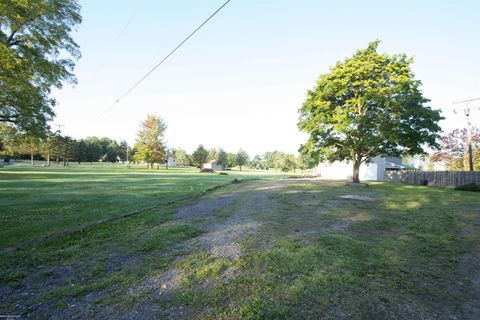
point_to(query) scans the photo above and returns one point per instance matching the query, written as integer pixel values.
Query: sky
(240, 81)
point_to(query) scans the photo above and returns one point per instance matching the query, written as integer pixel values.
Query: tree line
(58, 148)
(149, 148)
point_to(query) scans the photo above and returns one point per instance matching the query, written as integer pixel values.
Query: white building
(375, 170)
(171, 161)
(214, 165)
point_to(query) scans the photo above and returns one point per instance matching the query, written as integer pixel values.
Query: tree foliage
(37, 54)
(54, 146)
(258, 163)
(453, 150)
(149, 145)
(200, 156)
(368, 105)
(182, 158)
(222, 157)
(230, 163)
(241, 158)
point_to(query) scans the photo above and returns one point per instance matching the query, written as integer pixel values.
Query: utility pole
(466, 111)
(59, 130)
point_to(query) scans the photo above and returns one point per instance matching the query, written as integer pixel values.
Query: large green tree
(150, 146)
(230, 162)
(241, 158)
(368, 105)
(200, 156)
(37, 53)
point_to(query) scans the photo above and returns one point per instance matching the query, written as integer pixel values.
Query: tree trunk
(31, 158)
(48, 158)
(356, 171)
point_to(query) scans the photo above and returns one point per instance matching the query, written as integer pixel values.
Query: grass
(38, 201)
(411, 252)
(398, 259)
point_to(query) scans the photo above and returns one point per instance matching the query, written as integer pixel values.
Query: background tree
(111, 152)
(67, 149)
(305, 161)
(200, 156)
(222, 157)
(94, 150)
(453, 149)
(285, 162)
(368, 105)
(122, 151)
(37, 54)
(149, 145)
(181, 157)
(30, 143)
(271, 159)
(230, 160)
(212, 154)
(10, 139)
(241, 158)
(257, 163)
(80, 151)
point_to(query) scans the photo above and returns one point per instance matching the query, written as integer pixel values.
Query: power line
(159, 63)
(466, 101)
(129, 20)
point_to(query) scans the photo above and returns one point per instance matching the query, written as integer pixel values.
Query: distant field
(37, 201)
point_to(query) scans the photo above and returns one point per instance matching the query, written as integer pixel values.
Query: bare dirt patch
(204, 208)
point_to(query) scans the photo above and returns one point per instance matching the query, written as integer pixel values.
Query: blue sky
(240, 81)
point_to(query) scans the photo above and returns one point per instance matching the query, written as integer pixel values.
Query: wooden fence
(449, 179)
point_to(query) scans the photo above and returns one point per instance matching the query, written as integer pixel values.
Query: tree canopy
(37, 53)
(149, 145)
(453, 150)
(241, 158)
(200, 156)
(368, 105)
(182, 158)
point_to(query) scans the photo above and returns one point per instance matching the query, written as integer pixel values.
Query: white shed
(171, 161)
(375, 170)
(214, 165)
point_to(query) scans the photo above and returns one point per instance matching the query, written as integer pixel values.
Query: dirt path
(228, 221)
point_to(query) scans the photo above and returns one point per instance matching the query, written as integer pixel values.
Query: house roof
(212, 161)
(391, 165)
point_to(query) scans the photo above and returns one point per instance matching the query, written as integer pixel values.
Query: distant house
(214, 165)
(171, 161)
(375, 170)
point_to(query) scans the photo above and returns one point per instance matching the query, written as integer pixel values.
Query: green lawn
(260, 249)
(38, 201)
